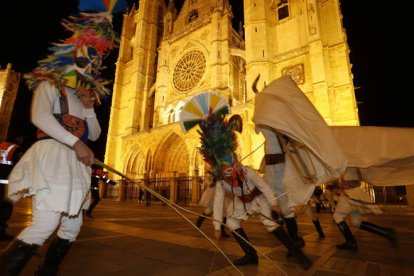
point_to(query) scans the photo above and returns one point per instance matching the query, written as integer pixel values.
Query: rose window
(189, 71)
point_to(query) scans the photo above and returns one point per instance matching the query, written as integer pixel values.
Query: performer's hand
(86, 96)
(83, 153)
(217, 234)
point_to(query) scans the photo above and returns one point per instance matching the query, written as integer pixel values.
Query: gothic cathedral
(166, 56)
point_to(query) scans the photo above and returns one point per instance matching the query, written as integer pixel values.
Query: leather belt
(273, 159)
(244, 198)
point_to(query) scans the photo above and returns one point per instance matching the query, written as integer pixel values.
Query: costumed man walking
(10, 153)
(300, 148)
(55, 171)
(246, 191)
(355, 202)
(274, 172)
(98, 176)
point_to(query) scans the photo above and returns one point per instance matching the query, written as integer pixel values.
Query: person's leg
(385, 232)
(95, 201)
(318, 228)
(343, 209)
(292, 228)
(20, 251)
(206, 213)
(67, 233)
(223, 229)
(315, 220)
(240, 235)
(292, 247)
(278, 231)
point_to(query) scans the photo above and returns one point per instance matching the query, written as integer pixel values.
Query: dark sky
(378, 54)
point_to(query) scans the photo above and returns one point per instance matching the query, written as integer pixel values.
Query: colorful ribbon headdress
(218, 140)
(92, 27)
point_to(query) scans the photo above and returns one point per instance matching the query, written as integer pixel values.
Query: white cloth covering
(355, 203)
(50, 170)
(283, 107)
(383, 155)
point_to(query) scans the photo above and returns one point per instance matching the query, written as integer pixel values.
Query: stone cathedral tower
(166, 56)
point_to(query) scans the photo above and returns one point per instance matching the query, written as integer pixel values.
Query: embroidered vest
(73, 124)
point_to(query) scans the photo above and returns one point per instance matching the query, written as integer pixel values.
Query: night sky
(379, 54)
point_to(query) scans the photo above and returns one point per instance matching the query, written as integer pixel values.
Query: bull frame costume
(317, 153)
(246, 191)
(56, 171)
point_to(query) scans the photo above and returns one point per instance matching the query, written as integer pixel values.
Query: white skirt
(50, 171)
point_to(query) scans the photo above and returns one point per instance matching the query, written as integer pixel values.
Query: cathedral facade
(9, 84)
(166, 56)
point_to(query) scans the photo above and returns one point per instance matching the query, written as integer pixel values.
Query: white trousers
(44, 223)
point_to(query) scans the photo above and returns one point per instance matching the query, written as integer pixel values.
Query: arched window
(283, 10)
(171, 116)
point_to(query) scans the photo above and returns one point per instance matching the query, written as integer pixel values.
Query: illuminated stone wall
(166, 57)
(9, 83)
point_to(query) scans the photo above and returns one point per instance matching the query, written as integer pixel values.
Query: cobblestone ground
(126, 238)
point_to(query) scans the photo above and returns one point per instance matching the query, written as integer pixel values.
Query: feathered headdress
(218, 139)
(92, 27)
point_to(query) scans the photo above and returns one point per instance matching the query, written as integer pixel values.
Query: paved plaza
(126, 238)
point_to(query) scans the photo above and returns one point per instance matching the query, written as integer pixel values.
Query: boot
(294, 250)
(223, 229)
(15, 257)
(350, 242)
(200, 221)
(54, 257)
(292, 228)
(250, 256)
(387, 233)
(319, 228)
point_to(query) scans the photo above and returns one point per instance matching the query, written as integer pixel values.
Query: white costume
(50, 172)
(354, 202)
(274, 173)
(237, 209)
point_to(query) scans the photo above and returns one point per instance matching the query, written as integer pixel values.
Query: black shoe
(224, 234)
(347, 246)
(250, 256)
(350, 242)
(246, 260)
(200, 221)
(291, 245)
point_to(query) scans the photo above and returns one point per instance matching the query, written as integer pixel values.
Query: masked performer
(245, 190)
(355, 202)
(56, 170)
